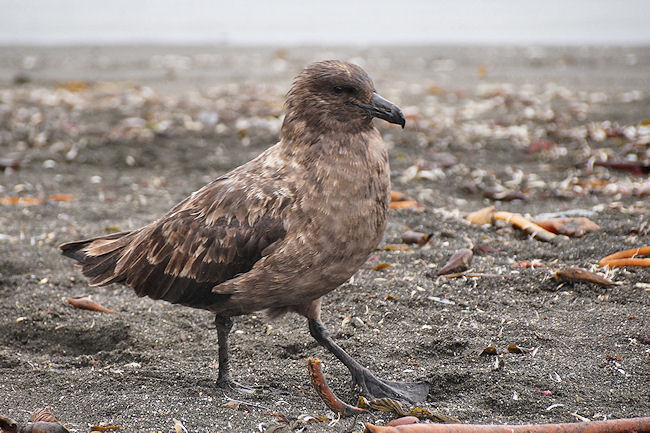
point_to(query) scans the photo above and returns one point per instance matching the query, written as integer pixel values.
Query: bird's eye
(344, 89)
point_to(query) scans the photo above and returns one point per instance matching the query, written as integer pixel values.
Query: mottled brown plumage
(278, 232)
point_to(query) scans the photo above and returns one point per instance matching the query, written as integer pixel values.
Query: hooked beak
(383, 109)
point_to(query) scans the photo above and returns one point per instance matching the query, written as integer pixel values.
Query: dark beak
(383, 109)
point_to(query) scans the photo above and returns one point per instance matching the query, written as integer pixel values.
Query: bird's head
(339, 96)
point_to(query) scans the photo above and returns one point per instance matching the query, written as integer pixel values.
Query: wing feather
(181, 259)
(217, 233)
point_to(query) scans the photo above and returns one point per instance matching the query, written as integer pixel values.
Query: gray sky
(325, 22)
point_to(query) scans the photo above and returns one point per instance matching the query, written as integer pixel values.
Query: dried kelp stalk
(325, 393)
(625, 425)
(627, 258)
(525, 224)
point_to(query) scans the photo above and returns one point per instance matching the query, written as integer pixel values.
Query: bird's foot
(412, 392)
(230, 384)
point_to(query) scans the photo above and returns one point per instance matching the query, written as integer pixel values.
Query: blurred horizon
(337, 22)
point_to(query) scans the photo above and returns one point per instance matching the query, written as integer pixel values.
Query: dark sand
(148, 125)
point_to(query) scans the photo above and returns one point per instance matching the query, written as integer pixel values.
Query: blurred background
(335, 22)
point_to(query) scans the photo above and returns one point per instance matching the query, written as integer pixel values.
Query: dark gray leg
(372, 386)
(224, 325)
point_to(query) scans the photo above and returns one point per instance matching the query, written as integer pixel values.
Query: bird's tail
(98, 256)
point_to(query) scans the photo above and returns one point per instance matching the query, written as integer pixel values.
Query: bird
(279, 232)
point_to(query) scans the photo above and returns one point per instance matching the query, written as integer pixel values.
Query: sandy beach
(102, 139)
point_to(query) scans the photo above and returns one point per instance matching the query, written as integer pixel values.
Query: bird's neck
(351, 164)
(297, 128)
(310, 145)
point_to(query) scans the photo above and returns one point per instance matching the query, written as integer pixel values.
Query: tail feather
(98, 256)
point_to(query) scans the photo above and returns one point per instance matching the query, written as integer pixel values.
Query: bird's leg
(224, 325)
(371, 385)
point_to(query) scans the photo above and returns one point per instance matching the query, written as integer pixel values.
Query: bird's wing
(219, 232)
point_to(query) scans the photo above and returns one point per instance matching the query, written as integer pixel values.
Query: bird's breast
(336, 219)
(343, 213)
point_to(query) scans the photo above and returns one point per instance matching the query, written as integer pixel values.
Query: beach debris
(60, 197)
(397, 408)
(406, 204)
(43, 414)
(179, 427)
(394, 426)
(30, 201)
(541, 145)
(9, 163)
(572, 227)
(441, 300)
(398, 196)
(298, 423)
(525, 224)
(513, 348)
(486, 249)
(575, 274)
(458, 262)
(237, 405)
(423, 413)
(23, 201)
(85, 303)
(627, 258)
(428, 170)
(413, 237)
(382, 404)
(481, 216)
(399, 200)
(41, 421)
(634, 167)
(396, 247)
(489, 351)
(568, 213)
(502, 194)
(525, 264)
(334, 403)
(624, 425)
(544, 229)
(21, 78)
(73, 86)
(409, 419)
(471, 275)
(103, 427)
(8, 425)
